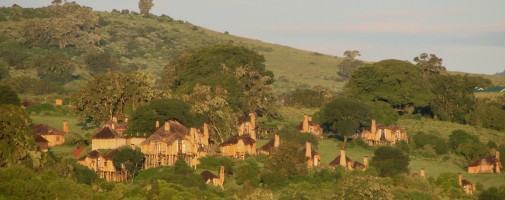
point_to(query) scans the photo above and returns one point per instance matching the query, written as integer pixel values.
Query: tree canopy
(345, 116)
(128, 159)
(429, 64)
(144, 118)
(111, 94)
(8, 96)
(396, 82)
(349, 64)
(390, 161)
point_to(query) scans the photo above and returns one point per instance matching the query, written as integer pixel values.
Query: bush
(438, 143)
(247, 173)
(459, 137)
(8, 96)
(215, 163)
(273, 180)
(390, 161)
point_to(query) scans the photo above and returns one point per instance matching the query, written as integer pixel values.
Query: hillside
(149, 43)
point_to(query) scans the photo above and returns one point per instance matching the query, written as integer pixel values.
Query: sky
(468, 35)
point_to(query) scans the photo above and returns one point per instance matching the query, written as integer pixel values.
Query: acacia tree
(396, 82)
(345, 116)
(429, 64)
(69, 24)
(55, 67)
(145, 6)
(349, 64)
(107, 95)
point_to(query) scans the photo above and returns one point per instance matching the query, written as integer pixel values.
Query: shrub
(390, 161)
(459, 137)
(438, 143)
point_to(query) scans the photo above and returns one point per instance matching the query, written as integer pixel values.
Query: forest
(145, 69)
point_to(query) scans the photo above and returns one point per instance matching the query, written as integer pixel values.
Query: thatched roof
(105, 132)
(268, 146)
(206, 175)
(39, 138)
(336, 161)
(246, 138)
(488, 159)
(77, 152)
(177, 132)
(43, 129)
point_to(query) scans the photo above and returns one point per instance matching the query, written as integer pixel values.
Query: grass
(444, 129)
(57, 122)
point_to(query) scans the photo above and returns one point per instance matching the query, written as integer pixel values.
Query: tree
(472, 151)
(453, 97)
(212, 103)
(17, 143)
(363, 187)
(390, 161)
(143, 119)
(128, 160)
(55, 67)
(422, 139)
(382, 112)
(247, 173)
(8, 96)
(488, 115)
(459, 137)
(99, 62)
(429, 64)
(345, 116)
(145, 6)
(110, 94)
(349, 64)
(68, 24)
(237, 70)
(288, 160)
(396, 82)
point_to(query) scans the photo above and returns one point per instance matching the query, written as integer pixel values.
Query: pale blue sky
(469, 35)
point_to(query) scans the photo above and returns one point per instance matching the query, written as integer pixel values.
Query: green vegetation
(390, 161)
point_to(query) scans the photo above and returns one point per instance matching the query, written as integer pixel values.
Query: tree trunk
(345, 142)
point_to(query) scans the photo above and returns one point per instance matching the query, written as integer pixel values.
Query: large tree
(238, 71)
(55, 67)
(390, 161)
(396, 82)
(345, 116)
(429, 64)
(349, 64)
(68, 24)
(144, 118)
(111, 94)
(17, 144)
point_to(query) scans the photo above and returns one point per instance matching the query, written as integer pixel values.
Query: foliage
(448, 182)
(215, 163)
(56, 68)
(273, 180)
(488, 115)
(390, 161)
(181, 167)
(144, 118)
(422, 139)
(345, 115)
(383, 113)
(145, 6)
(429, 64)
(289, 160)
(84, 175)
(398, 83)
(4, 69)
(99, 62)
(363, 187)
(238, 71)
(309, 98)
(349, 64)
(8, 96)
(459, 137)
(493, 193)
(69, 25)
(128, 160)
(107, 95)
(247, 173)
(17, 143)
(291, 135)
(454, 97)
(472, 151)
